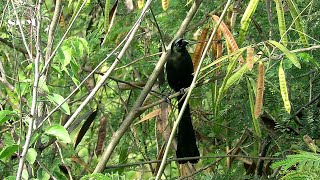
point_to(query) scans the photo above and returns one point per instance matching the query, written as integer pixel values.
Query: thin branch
(53, 26)
(84, 80)
(239, 142)
(206, 17)
(21, 30)
(304, 106)
(23, 51)
(33, 111)
(190, 158)
(134, 61)
(158, 28)
(7, 84)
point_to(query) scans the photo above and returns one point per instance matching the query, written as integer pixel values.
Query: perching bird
(179, 70)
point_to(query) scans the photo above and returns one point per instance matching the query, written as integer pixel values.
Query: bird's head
(179, 45)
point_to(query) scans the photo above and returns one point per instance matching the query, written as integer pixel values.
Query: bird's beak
(185, 42)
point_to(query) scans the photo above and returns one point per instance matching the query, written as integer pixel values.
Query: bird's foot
(182, 90)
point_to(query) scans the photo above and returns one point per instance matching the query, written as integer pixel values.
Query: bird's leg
(182, 93)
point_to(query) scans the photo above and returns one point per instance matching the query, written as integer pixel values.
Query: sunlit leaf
(8, 151)
(58, 99)
(5, 115)
(59, 132)
(291, 56)
(31, 155)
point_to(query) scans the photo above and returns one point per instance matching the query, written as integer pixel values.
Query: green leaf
(5, 115)
(59, 132)
(31, 155)
(42, 174)
(21, 89)
(58, 99)
(67, 52)
(72, 75)
(8, 151)
(78, 45)
(10, 178)
(291, 56)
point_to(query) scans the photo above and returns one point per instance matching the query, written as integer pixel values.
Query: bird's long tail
(187, 146)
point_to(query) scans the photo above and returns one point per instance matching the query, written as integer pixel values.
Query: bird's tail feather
(187, 146)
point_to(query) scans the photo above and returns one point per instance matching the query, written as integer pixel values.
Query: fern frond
(305, 161)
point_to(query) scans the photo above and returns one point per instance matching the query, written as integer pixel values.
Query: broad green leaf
(73, 77)
(283, 89)
(8, 151)
(246, 19)
(10, 178)
(25, 174)
(31, 155)
(58, 99)
(43, 85)
(78, 45)
(291, 56)
(21, 89)
(5, 115)
(67, 52)
(59, 132)
(281, 22)
(42, 174)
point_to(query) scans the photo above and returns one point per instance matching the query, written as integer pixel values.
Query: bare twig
(190, 158)
(33, 111)
(23, 51)
(159, 30)
(21, 30)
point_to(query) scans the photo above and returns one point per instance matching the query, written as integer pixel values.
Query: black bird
(179, 70)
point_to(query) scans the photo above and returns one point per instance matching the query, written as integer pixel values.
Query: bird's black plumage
(179, 70)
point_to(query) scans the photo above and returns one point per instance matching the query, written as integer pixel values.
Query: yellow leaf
(283, 89)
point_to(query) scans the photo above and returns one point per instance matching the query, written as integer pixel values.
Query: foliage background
(26, 111)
